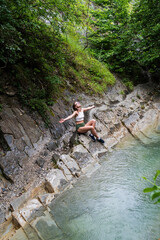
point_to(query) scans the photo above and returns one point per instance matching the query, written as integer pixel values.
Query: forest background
(48, 46)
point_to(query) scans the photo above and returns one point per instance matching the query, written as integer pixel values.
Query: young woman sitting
(81, 127)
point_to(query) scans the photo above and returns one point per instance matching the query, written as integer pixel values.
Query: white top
(80, 116)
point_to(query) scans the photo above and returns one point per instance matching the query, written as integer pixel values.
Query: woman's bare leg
(91, 123)
(86, 129)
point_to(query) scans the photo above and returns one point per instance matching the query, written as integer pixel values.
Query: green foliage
(122, 92)
(155, 190)
(84, 71)
(37, 59)
(128, 84)
(0, 107)
(126, 36)
(31, 43)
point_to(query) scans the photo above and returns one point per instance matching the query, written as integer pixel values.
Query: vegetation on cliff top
(39, 57)
(49, 45)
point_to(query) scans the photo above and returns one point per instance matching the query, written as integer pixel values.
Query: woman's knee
(94, 121)
(91, 127)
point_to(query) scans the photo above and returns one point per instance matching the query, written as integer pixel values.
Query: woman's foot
(100, 140)
(93, 137)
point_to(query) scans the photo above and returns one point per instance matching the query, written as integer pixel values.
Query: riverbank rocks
(11, 164)
(65, 170)
(45, 199)
(71, 164)
(81, 156)
(55, 181)
(32, 210)
(94, 148)
(146, 128)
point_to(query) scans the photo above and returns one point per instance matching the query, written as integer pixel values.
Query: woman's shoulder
(75, 112)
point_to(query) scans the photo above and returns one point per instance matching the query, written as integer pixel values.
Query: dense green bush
(126, 36)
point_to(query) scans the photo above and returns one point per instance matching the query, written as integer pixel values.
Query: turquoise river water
(110, 204)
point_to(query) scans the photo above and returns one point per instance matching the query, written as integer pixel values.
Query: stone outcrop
(43, 165)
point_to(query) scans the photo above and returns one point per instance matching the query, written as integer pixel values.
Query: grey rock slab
(46, 227)
(19, 235)
(47, 198)
(24, 126)
(105, 117)
(145, 129)
(70, 163)
(82, 156)
(19, 144)
(51, 146)
(93, 147)
(102, 128)
(5, 228)
(90, 169)
(110, 142)
(55, 181)
(25, 137)
(40, 162)
(67, 138)
(16, 203)
(57, 129)
(2, 214)
(32, 210)
(7, 121)
(10, 164)
(10, 140)
(29, 126)
(65, 170)
(157, 130)
(18, 219)
(114, 93)
(29, 151)
(74, 140)
(122, 132)
(31, 233)
(157, 105)
(131, 121)
(55, 158)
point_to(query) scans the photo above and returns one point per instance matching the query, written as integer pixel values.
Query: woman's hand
(88, 108)
(61, 120)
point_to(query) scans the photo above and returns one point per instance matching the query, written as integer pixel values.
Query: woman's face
(78, 105)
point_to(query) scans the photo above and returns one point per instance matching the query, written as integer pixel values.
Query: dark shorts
(79, 125)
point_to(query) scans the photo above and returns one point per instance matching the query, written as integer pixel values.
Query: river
(110, 204)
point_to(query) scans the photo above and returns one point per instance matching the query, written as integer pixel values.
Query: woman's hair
(74, 106)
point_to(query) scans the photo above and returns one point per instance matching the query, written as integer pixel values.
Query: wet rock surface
(39, 163)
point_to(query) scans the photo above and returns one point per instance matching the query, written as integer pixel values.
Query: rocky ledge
(37, 164)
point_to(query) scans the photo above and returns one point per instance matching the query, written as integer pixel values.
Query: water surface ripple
(111, 205)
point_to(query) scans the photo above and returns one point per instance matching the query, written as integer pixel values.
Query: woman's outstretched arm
(67, 118)
(88, 108)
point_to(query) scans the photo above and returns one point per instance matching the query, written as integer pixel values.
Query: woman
(81, 127)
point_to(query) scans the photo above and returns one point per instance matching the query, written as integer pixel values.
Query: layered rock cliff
(37, 163)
